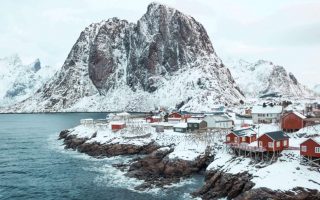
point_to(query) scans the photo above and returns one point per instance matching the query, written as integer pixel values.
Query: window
(236, 139)
(243, 139)
(196, 125)
(260, 143)
(228, 139)
(278, 143)
(285, 143)
(317, 150)
(304, 148)
(270, 144)
(189, 125)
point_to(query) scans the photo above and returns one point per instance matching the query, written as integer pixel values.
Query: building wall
(291, 122)
(265, 118)
(265, 143)
(310, 148)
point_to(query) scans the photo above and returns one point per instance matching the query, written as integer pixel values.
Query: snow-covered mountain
(19, 81)
(316, 88)
(165, 59)
(264, 78)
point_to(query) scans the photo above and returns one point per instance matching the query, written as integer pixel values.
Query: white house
(218, 121)
(266, 115)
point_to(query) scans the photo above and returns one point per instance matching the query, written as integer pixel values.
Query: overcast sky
(286, 32)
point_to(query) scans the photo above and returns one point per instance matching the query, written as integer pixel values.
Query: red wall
(175, 115)
(291, 121)
(310, 148)
(117, 126)
(232, 136)
(265, 140)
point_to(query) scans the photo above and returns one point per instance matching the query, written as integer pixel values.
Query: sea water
(35, 165)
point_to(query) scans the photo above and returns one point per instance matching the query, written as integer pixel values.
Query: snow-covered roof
(316, 139)
(219, 118)
(244, 132)
(267, 110)
(181, 125)
(299, 115)
(190, 120)
(123, 114)
(117, 123)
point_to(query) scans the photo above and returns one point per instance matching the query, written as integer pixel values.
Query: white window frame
(285, 142)
(317, 149)
(243, 139)
(236, 139)
(303, 148)
(228, 138)
(270, 144)
(278, 144)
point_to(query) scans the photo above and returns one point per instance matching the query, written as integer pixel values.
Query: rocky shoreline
(156, 169)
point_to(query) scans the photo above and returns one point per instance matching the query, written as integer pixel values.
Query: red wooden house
(292, 122)
(310, 148)
(247, 135)
(274, 141)
(153, 119)
(117, 125)
(175, 115)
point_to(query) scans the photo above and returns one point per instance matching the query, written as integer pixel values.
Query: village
(261, 132)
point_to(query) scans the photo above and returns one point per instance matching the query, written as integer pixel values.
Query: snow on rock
(19, 81)
(266, 78)
(186, 146)
(165, 59)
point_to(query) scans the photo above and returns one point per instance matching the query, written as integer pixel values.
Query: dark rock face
(157, 169)
(103, 150)
(219, 184)
(161, 42)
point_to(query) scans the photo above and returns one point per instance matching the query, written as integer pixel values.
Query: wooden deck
(245, 147)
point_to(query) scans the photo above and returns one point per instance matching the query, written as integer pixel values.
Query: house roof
(190, 120)
(181, 125)
(117, 123)
(244, 132)
(219, 118)
(316, 140)
(276, 135)
(297, 114)
(266, 110)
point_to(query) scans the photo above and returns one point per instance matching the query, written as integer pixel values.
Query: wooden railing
(245, 147)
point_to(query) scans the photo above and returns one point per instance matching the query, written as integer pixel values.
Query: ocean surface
(35, 165)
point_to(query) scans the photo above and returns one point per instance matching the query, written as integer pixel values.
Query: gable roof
(276, 135)
(244, 132)
(316, 140)
(197, 121)
(266, 110)
(301, 116)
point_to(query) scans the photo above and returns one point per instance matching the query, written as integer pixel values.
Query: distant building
(274, 141)
(194, 124)
(181, 127)
(219, 121)
(266, 115)
(153, 119)
(117, 125)
(175, 115)
(292, 121)
(247, 135)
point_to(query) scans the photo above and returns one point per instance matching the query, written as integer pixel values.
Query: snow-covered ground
(284, 174)
(187, 146)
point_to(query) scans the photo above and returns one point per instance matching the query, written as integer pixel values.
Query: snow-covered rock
(264, 78)
(165, 59)
(19, 81)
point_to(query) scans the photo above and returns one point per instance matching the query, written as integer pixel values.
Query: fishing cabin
(247, 135)
(274, 141)
(292, 121)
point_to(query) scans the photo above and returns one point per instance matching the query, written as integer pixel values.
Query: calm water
(34, 165)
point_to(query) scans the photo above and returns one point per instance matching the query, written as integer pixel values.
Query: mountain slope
(165, 59)
(316, 88)
(264, 78)
(19, 81)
